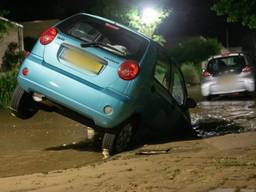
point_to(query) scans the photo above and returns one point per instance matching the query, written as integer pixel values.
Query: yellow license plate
(83, 60)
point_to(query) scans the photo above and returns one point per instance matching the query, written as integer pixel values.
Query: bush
(195, 50)
(191, 73)
(190, 53)
(12, 57)
(7, 86)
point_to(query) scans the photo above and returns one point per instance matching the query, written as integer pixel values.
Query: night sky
(188, 18)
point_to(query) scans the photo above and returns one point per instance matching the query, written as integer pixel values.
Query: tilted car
(104, 75)
(227, 74)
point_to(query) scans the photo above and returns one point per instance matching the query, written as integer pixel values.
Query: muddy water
(224, 115)
(44, 143)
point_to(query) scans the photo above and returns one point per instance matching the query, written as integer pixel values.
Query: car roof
(226, 55)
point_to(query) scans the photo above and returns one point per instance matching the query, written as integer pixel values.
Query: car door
(161, 100)
(179, 95)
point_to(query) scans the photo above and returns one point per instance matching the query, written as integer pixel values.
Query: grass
(7, 86)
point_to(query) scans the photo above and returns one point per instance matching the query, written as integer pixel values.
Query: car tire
(22, 104)
(209, 98)
(119, 141)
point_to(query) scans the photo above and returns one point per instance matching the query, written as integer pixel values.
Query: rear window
(88, 29)
(226, 63)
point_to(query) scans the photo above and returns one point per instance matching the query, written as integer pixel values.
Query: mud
(44, 143)
(49, 142)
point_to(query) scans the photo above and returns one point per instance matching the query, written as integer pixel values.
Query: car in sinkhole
(228, 73)
(106, 76)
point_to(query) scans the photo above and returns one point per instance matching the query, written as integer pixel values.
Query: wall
(33, 29)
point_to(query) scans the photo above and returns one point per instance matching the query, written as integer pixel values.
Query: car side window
(162, 70)
(177, 87)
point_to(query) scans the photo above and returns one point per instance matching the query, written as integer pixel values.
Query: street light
(149, 16)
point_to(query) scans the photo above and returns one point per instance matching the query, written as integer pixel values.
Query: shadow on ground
(89, 145)
(233, 97)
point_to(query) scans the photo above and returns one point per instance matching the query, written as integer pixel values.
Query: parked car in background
(227, 74)
(106, 76)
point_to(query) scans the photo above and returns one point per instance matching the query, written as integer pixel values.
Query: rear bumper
(243, 85)
(73, 93)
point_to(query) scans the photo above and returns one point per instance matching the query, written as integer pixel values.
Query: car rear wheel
(120, 140)
(22, 104)
(209, 98)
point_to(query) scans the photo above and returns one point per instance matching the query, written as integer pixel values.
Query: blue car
(105, 75)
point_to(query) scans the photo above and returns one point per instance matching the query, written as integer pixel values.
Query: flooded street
(50, 142)
(222, 117)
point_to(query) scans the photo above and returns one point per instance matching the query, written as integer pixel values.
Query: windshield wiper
(103, 46)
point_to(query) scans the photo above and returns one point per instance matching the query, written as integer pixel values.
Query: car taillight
(247, 69)
(25, 71)
(206, 74)
(48, 36)
(128, 70)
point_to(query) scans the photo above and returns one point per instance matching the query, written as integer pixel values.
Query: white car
(227, 74)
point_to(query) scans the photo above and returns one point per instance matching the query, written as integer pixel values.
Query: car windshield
(117, 40)
(222, 64)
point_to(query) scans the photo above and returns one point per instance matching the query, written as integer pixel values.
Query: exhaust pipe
(38, 97)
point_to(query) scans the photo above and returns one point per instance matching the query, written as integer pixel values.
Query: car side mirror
(190, 103)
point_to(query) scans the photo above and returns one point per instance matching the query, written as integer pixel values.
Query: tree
(195, 50)
(237, 11)
(190, 53)
(113, 9)
(130, 13)
(147, 22)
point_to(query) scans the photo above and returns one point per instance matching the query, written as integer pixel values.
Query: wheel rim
(124, 138)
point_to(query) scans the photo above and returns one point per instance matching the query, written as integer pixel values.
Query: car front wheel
(120, 140)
